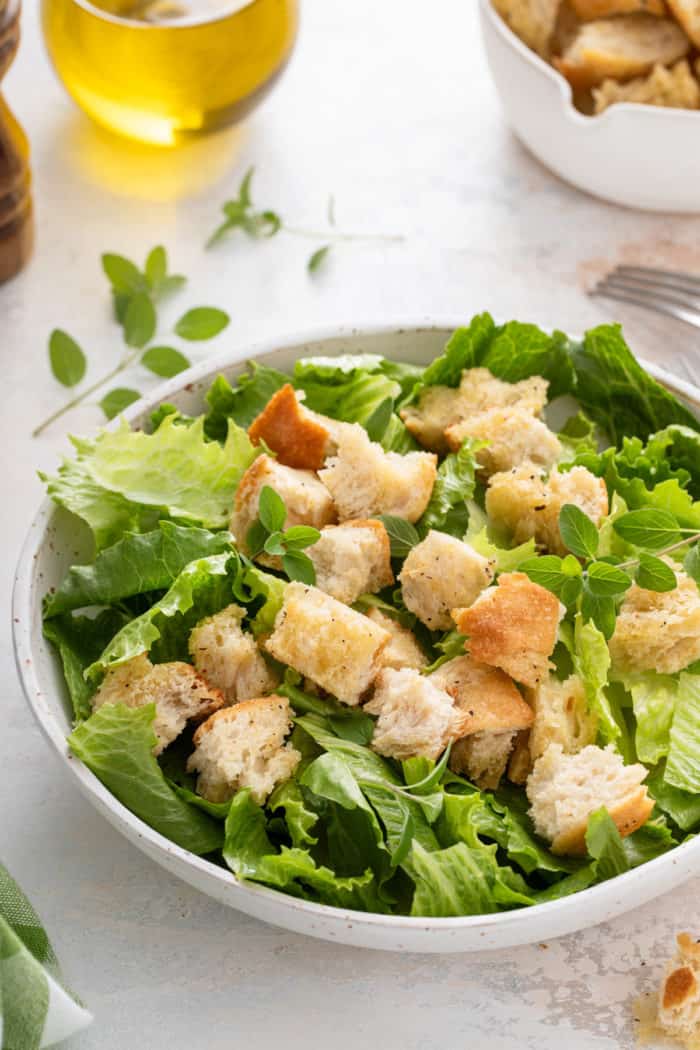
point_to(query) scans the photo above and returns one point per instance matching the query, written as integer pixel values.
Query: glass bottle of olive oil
(162, 70)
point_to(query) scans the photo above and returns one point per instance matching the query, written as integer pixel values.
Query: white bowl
(638, 156)
(54, 542)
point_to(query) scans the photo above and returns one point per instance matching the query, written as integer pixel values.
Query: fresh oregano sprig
(135, 296)
(596, 584)
(268, 534)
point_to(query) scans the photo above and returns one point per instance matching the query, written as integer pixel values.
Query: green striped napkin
(36, 1010)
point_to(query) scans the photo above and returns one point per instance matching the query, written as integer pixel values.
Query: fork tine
(648, 302)
(691, 302)
(659, 278)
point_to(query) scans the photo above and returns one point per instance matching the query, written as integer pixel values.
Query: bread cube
(675, 88)
(658, 631)
(404, 649)
(229, 658)
(513, 436)
(414, 716)
(352, 559)
(442, 573)
(621, 48)
(678, 1013)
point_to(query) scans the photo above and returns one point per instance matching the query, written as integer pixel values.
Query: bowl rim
(558, 80)
(24, 647)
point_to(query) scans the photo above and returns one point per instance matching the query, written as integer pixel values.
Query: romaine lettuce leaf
(616, 392)
(504, 559)
(300, 819)
(683, 807)
(682, 764)
(654, 700)
(125, 480)
(136, 564)
(578, 435)
(253, 584)
(604, 845)
(240, 403)
(592, 664)
(454, 485)
(79, 641)
(463, 880)
(116, 743)
(350, 387)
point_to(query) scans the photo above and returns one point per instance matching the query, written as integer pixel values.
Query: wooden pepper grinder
(16, 218)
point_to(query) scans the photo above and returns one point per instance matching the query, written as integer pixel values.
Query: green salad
(385, 637)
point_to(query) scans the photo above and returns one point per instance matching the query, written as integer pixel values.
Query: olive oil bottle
(162, 70)
(16, 223)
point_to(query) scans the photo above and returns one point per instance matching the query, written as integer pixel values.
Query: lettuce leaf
(592, 664)
(504, 559)
(463, 880)
(605, 845)
(683, 807)
(578, 435)
(456, 479)
(136, 564)
(240, 403)
(125, 480)
(615, 391)
(654, 699)
(682, 765)
(349, 387)
(79, 641)
(300, 819)
(116, 743)
(253, 584)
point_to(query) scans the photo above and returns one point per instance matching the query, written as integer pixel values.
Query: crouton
(621, 48)
(520, 760)
(512, 626)
(674, 88)
(243, 747)
(403, 649)
(590, 10)
(678, 1013)
(529, 507)
(561, 716)
(564, 790)
(287, 428)
(414, 716)
(439, 574)
(180, 694)
(366, 481)
(532, 20)
(337, 648)
(439, 407)
(494, 713)
(228, 657)
(307, 500)
(352, 559)
(658, 631)
(513, 435)
(688, 14)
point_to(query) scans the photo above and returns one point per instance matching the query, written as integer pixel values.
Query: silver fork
(667, 292)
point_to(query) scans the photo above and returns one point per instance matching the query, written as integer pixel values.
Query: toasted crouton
(439, 574)
(403, 649)
(352, 559)
(564, 790)
(297, 436)
(228, 657)
(494, 713)
(621, 48)
(532, 20)
(520, 759)
(561, 716)
(180, 694)
(529, 507)
(674, 88)
(512, 626)
(513, 435)
(688, 14)
(336, 647)
(414, 716)
(678, 1012)
(439, 407)
(243, 747)
(366, 481)
(307, 500)
(658, 631)
(590, 10)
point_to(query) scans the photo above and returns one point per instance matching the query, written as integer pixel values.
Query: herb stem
(315, 235)
(633, 562)
(79, 398)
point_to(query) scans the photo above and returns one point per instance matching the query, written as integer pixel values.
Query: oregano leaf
(117, 400)
(139, 320)
(164, 361)
(202, 322)
(653, 574)
(299, 566)
(68, 362)
(578, 532)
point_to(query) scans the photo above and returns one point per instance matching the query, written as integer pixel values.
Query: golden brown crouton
(621, 48)
(352, 559)
(590, 10)
(561, 716)
(403, 649)
(512, 626)
(564, 790)
(243, 746)
(415, 717)
(494, 713)
(439, 574)
(688, 14)
(336, 647)
(180, 694)
(365, 481)
(658, 631)
(532, 20)
(229, 658)
(675, 88)
(529, 507)
(678, 1013)
(307, 501)
(513, 435)
(299, 439)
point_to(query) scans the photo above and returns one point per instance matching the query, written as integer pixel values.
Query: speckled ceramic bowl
(634, 155)
(54, 543)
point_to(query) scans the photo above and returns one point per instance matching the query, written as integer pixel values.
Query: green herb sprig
(597, 584)
(266, 534)
(135, 296)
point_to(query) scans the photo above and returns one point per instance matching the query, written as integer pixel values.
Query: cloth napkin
(36, 1009)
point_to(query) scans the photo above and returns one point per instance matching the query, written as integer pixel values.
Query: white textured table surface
(389, 107)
